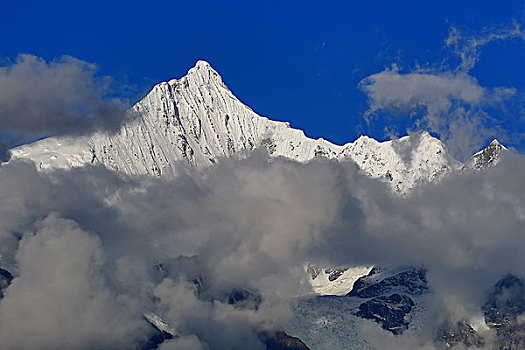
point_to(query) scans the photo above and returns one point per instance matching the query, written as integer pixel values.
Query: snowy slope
(335, 281)
(334, 322)
(485, 158)
(198, 120)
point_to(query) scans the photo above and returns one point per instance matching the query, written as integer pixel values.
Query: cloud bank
(92, 250)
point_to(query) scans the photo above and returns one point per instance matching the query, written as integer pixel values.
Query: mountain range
(197, 121)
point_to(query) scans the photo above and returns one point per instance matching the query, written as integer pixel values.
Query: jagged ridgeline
(197, 120)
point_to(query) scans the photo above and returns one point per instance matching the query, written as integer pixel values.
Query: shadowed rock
(412, 281)
(389, 311)
(335, 273)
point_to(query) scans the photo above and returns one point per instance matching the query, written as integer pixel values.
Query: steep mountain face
(389, 311)
(485, 158)
(379, 281)
(197, 120)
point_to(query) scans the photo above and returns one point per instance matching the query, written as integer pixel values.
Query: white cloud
(450, 104)
(447, 101)
(391, 89)
(249, 223)
(61, 299)
(63, 96)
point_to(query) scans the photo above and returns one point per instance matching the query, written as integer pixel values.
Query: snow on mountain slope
(335, 281)
(391, 298)
(197, 120)
(402, 162)
(55, 152)
(486, 157)
(159, 322)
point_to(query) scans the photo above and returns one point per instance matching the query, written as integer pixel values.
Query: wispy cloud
(468, 45)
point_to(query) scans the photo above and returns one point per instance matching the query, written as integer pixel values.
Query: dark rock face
(279, 340)
(389, 295)
(450, 335)
(389, 311)
(504, 305)
(511, 337)
(335, 273)
(412, 282)
(5, 281)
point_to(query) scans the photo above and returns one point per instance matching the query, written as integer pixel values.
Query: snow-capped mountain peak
(487, 157)
(202, 73)
(197, 120)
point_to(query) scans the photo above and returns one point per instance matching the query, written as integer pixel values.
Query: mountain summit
(197, 120)
(487, 157)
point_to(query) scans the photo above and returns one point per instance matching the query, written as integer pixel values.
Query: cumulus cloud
(91, 250)
(391, 88)
(450, 104)
(60, 97)
(447, 100)
(60, 298)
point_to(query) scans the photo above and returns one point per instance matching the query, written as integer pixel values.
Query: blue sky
(322, 67)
